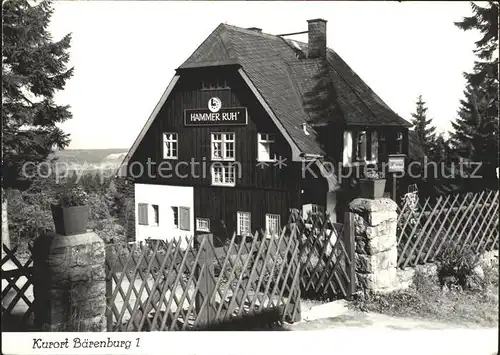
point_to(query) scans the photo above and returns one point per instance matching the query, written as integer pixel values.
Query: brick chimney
(316, 30)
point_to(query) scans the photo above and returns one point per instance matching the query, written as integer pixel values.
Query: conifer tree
(423, 127)
(475, 135)
(34, 68)
(484, 20)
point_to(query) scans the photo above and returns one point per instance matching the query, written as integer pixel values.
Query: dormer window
(214, 84)
(264, 143)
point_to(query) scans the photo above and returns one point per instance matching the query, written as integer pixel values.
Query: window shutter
(348, 147)
(374, 145)
(363, 144)
(184, 218)
(143, 214)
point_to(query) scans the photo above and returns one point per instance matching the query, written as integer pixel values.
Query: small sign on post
(396, 164)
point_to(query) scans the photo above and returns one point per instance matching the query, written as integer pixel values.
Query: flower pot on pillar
(372, 189)
(70, 220)
(372, 186)
(71, 213)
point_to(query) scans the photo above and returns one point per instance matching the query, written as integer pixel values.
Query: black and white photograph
(174, 170)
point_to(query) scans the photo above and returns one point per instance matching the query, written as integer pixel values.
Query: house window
(202, 224)
(223, 174)
(264, 143)
(175, 213)
(180, 218)
(243, 224)
(148, 215)
(223, 146)
(273, 225)
(399, 142)
(156, 215)
(317, 209)
(170, 145)
(360, 146)
(214, 84)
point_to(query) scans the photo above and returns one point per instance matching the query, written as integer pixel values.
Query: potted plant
(71, 212)
(372, 186)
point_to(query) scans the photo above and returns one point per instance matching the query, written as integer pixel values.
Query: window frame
(238, 226)
(175, 210)
(315, 208)
(207, 220)
(177, 217)
(269, 140)
(226, 168)
(223, 147)
(155, 216)
(175, 141)
(152, 214)
(360, 146)
(272, 215)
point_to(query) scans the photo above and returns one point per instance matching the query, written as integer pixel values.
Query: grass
(427, 300)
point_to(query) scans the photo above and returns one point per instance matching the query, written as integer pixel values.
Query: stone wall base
(405, 276)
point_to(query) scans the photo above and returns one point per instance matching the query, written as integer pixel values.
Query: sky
(125, 53)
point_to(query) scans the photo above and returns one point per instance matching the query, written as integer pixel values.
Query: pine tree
(442, 152)
(475, 135)
(34, 69)
(422, 125)
(484, 20)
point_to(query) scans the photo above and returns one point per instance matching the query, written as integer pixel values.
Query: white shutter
(374, 146)
(347, 158)
(184, 214)
(142, 214)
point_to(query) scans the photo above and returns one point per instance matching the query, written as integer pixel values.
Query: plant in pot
(372, 185)
(71, 211)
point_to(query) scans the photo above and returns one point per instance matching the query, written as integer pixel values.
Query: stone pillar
(376, 244)
(69, 282)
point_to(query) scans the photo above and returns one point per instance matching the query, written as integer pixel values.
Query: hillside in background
(91, 159)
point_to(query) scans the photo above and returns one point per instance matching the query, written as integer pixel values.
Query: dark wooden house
(251, 126)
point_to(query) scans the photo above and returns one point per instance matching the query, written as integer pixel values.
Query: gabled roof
(297, 89)
(294, 90)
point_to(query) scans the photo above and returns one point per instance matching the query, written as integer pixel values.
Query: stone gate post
(69, 282)
(375, 224)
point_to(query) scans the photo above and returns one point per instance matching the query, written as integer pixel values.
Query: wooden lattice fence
(163, 286)
(17, 294)
(426, 230)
